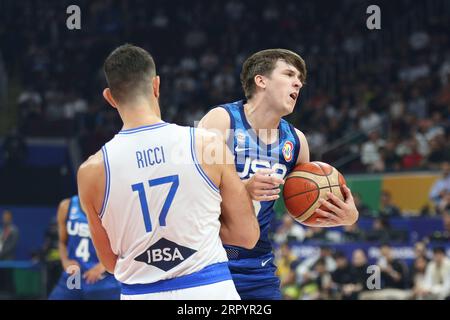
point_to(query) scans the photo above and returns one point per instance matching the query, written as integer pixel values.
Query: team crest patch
(288, 151)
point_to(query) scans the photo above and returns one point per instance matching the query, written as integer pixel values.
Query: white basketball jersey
(161, 211)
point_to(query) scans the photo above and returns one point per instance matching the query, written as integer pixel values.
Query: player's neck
(138, 116)
(261, 116)
(263, 121)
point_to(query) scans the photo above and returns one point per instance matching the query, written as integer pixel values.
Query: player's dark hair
(129, 71)
(263, 63)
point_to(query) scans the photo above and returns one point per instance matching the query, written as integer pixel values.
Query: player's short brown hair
(128, 71)
(263, 63)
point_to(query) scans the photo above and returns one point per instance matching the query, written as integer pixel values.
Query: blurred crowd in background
(375, 101)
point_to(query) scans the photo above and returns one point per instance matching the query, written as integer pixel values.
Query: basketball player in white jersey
(156, 211)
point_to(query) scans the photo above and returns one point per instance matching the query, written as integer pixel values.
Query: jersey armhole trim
(230, 138)
(297, 142)
(197, 165)
(107, 182)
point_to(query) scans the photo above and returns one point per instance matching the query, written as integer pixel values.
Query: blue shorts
(106, 289)
(255, 278)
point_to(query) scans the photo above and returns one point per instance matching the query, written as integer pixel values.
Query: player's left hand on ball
(342, 212)
(94, 274)
(263, 186)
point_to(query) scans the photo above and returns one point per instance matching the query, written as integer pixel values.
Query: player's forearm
(101, 241)
(63, 255)
(107, 260)
(103, 248)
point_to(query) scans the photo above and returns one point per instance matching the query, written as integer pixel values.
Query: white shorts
(224, 290)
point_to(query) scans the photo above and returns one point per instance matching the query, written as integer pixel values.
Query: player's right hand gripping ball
(305, 185)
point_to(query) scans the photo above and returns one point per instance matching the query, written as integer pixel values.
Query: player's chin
(289, 107)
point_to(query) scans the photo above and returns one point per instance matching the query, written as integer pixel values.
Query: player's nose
(298, 84)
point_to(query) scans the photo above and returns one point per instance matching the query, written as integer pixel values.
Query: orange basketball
(305, 185)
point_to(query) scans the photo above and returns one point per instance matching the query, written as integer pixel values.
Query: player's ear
(260, 81)
(108, 97)
(155, 84)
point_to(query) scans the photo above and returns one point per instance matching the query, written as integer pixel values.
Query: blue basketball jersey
(81, 249)
(252, 154)
(79, 244)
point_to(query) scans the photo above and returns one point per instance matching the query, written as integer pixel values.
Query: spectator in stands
(15, 150)
(392, 161)
(444, 234)
(315, 234)
(50, 254)
(420, 250)
(323, 280)
(412, 158)
(369, 120)
(284, 261)
(381, 230)
(436, 284)
(442, 186)
(352, 233)
(417, 277)
(289, 230)
(370, 153)
(359, 275)
(394, 272)
(439, 152)
(318, 284)
(341, 276)
(444, 204)
(9, 236)
(388, 209)
(305, 270)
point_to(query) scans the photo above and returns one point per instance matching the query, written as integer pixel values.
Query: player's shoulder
(217, 120)
(207, 137)
(300, 134)
(92, 166)
(64, 204)
(63, 209)
(218, 113)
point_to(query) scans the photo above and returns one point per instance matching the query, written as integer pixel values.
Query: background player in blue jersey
(77, 254)
(266, 149)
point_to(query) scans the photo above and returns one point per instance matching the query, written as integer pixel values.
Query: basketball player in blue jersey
(78, 255)
(266, 149)
(157, 206)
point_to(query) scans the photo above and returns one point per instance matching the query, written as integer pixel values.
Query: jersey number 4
(83, 250)
(139, 187)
